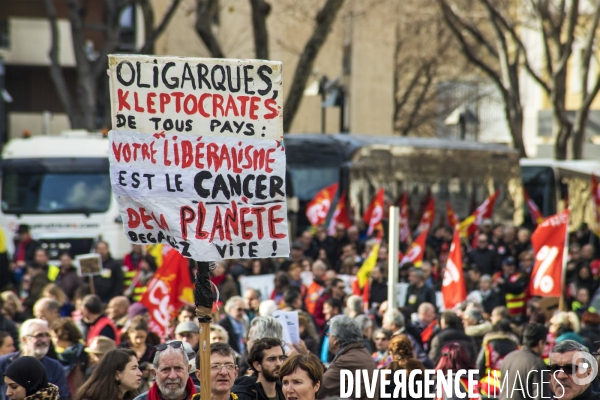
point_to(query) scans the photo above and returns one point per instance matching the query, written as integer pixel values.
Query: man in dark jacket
(484, 257)
(517, 366)
(418, 292)
(452, 331)
(233, 322)
(345, 340)
(562, 380)
(110, 281)
(265, 359)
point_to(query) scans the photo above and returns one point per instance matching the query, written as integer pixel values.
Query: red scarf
(154, 394)
(217, 280)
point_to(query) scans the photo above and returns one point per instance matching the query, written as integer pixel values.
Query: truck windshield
(55, 186)
(540, 185)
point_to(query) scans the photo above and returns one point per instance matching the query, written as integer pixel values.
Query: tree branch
(588, 51)
(56, 69)
(325, 19)
(204, 12)
(429, 75)
(111, 37)
(477, 35)
(567, 48)
(148, 47)
(260, 12)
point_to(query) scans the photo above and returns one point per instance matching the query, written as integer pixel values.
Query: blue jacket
(54, 369)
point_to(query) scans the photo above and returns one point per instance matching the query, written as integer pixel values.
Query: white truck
(60, 186)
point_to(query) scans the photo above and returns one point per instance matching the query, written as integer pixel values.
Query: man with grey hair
(345, 341)
(393, 321)
(47, 309)
(366, 327)
(35, 342)
(171, 370)
(234, 322)
(418, 292)
(490, 298)
(475, 326)
(570, 373)
(354, 306)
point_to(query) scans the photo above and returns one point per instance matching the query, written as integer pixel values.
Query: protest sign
(197, 160)
(200, 96)
(290, 326)
(88, 264)
(263, 283)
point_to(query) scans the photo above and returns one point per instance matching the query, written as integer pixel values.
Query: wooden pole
(393, 244)
(203, 298)
(91, 281)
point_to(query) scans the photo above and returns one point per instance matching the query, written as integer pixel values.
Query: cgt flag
(428, 216)
(374, 213)
(454, 289)
(416, 251)
(170, 288)
(340, 215)
(549, 241)
(453, 220)
(405, 235)
(534, 211)
(596, 206)
(318, 208)
(484, 211)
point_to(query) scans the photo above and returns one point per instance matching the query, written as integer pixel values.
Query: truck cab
(60, 186)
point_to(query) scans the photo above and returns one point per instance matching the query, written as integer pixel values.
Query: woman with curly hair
(402, 354)
(66, 338)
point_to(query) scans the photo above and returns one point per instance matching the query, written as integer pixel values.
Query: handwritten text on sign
(239, 98)
(209, 197)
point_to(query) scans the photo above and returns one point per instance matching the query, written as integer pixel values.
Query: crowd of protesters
(99, 346)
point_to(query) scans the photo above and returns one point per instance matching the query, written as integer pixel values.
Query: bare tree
(260, 12)
(85, 112)
(205, 12)
(324, 19)
(488, 46)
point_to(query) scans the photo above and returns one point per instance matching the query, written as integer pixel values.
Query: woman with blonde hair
(11, 307)
(55, 292)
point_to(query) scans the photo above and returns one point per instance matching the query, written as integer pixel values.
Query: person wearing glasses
(265, 358)
(516, 367)
(171, 371)
(568, 372)
(35, 342)
(223, 371)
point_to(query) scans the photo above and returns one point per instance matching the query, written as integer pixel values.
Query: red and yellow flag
(340, 215)
(454, 289)
(549, 242)
(374, 213)
(534, 211)
(416, 251)
(318, 208)
(170, 288)
(484, 211)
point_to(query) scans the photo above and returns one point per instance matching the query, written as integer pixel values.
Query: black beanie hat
(28, 372)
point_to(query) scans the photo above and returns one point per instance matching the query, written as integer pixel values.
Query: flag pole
(203, 298)
(562, 303)
(393, 244)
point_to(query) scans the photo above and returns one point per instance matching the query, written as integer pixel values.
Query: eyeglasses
(380, 338)
(230, 367)
(40, 336)
(568, 369)
(176, 344)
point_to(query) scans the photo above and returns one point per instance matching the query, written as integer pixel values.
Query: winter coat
(48, 393)
(487, 260)
(495, 346)
(352, 357)
(246, 388)
(521, 362)
(477, 332)
(447, 336)
(110, 282)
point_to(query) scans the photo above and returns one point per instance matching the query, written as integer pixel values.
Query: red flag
(428, 216)
(416, 251)
(534, 211)
(484, 211)
(454, 289)
(453, 220)
(169, 289)
(374, 213)
(340, 215)
(405, 235)
(318, 208)
(549, 241)
(596, 207)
